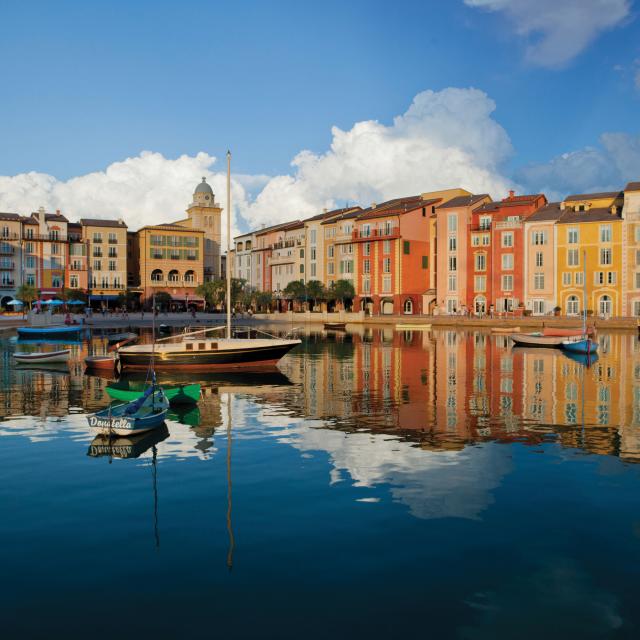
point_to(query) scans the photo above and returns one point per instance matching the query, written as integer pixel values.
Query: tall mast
(584, 292)
(228, 244)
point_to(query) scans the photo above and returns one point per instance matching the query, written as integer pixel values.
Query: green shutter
(425, 262)
(405, 247)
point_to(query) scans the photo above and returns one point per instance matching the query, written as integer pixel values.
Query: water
(382, 484)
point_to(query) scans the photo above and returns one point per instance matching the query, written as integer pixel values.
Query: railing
(174, 283)
(7, 284)
(45, 237)
(7, 251)
(10, 236)
(509, 224)
(359, 234)
(480, 227)
(117, 287)
(97, 240)
(113, 240)
(7, 265)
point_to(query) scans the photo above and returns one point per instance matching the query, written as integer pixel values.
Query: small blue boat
(146, 413)
(584, 345)
(50, 332)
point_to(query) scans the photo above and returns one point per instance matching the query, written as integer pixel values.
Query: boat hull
(585, 347)
(124, 426)
(183, 394)
(505, 329)
(229, 359)
(103, 363)
(566, 333)
(32, 332)
(528, 340)
(43, 358)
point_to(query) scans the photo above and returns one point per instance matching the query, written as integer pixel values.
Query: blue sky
(88, 84)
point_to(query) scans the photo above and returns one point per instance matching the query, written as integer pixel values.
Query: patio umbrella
(56, 303)
(15, 303)
(75, 302)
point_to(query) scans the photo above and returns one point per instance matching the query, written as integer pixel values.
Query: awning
(187, 298)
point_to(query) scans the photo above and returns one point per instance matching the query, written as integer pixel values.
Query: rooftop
(99, 222)
(10, 216)
(595, 214)
(398, 207)
(551, 211)
(464, 201)
(593, 196)
(632, 186)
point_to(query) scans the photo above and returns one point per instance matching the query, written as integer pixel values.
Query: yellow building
(590, 228)
(171, 260)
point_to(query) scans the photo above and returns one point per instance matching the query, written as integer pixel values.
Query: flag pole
(228, 244)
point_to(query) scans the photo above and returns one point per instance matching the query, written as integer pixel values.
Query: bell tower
(205, 213)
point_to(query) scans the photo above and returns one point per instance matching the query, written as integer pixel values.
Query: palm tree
(27, 294)
(316, 291)
(296, 290)
(342, 290)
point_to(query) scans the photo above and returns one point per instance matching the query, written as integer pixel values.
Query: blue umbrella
(56, 303)
(75, 302)
(15, 303)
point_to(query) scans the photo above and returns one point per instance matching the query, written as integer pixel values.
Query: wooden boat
(176, 394)
(107, 362)
(406, 326)
(146, 413)
(536, 340)
(50, 332)
(43, 357)
(335, 326)
(505, 329)
(126, 446)
(566, 333)
(128, 336)
(580, 344)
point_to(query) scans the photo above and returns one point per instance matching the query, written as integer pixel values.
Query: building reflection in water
(436, 390)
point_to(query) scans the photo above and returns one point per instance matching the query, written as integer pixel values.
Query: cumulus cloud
(558, 31)
(146, 189)
(445, 139)
(608, 166)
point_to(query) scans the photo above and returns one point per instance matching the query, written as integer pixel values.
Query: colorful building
(590, 228)
(631, 256)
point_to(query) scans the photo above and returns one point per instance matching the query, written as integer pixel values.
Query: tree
(342, 290)
(213, 291)
(163, 299)
(27, 293)
(263, 299)
(237, 290)
(128, 298)
(316, 291)
(296, 290)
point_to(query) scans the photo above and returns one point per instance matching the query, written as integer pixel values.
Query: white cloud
(445, 139)
(558, 30)
(606, 167)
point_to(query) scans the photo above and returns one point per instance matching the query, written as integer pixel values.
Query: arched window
(157, 275)
(190, 276)
(408, 306)
(573, 306)
(174, 276)
(605, 306)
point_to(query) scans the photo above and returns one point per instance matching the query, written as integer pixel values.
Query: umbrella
(75, 302)
(15, 303)
(56, 303)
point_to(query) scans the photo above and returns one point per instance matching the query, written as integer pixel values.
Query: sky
(116, 109)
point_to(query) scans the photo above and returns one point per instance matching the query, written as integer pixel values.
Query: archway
(173, 276)
(573, 306)
(386, 306)
(190, 276)
(407, 307)
(605, 306)
(157, 275)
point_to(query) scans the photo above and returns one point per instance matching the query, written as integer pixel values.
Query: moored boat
(127, 336)
(566, 333)
(43, 357)
(176, 394)
(405, 326)
(580, 344)
(51, 331)
(505, 329)
(106, 362)
(536, 340)
(146, 413)
(335, 326)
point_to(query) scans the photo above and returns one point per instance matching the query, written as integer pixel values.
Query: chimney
(57, 212)
(373, 205)
(41, 215)
(512, 193)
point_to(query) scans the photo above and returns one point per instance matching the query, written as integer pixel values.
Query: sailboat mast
(228, 244)
(584, 292)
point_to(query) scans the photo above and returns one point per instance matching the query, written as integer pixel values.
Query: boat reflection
(126, 446)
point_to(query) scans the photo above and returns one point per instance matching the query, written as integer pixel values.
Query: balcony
(174, 283)
(10, 236)
(97, 241)
(509, 224)
(7, 265)
(7, 284)
(113, 240)
(44, 237)
(480, 227)
(359, 235)
(7, 250)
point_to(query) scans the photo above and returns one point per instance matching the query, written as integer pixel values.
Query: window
(480, 283)
(366, 285)
(611, 277)
(507, 283)
(113, 239)
(31, 279)
(301, 253)
(189, 277)
(539, 259)
(28, 247)
(313, 253)
(485, 222)
(56, 282)
(475, 240)
(112, 265)
(156, 275)
(507, 261)
(97, 265)
(579, 278)
(113, 252)
(302, 268)
(481, 261)
(572, 235)
(386, 265)
(312, 236)
(97, 252)
(453, 263)
(598, 277)
(366, 230)
(386, 246)
(408, 306)
(425, 262)
(173, 276)
(539, 237)
(638, 233)
(406, 246)
(573, 258)
(331, 269)
(507, 239)
(566, 278)
(55, 249)
(30, 262)
(452, 222)
(330, 250)
(97, 237)
(73, 281)
(573, 306)
(366, 249)
(386, 284)
(453, 243)
(637, 280)
(605, 256)
(453, 283)
(313, 269)
(486, 240)
(366, 266)
(538, 307)
(538, 281)
(605, 233)
(636, 303)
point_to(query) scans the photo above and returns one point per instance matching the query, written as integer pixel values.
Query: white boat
(413, 326)
(43, 357)
(536, 340)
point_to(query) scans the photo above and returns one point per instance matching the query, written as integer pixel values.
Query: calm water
(381, 484)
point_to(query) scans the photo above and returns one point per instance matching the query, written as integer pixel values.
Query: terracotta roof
(275, 227)
(511, 202)
(332, 214)
(551, 211)
(406, 205)
(53, 217)
(593, 196)
(463, 201)
(99, 222)
(170, 227)
(632, 186)
(28, 220)
(10, 216)
(596, 214)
